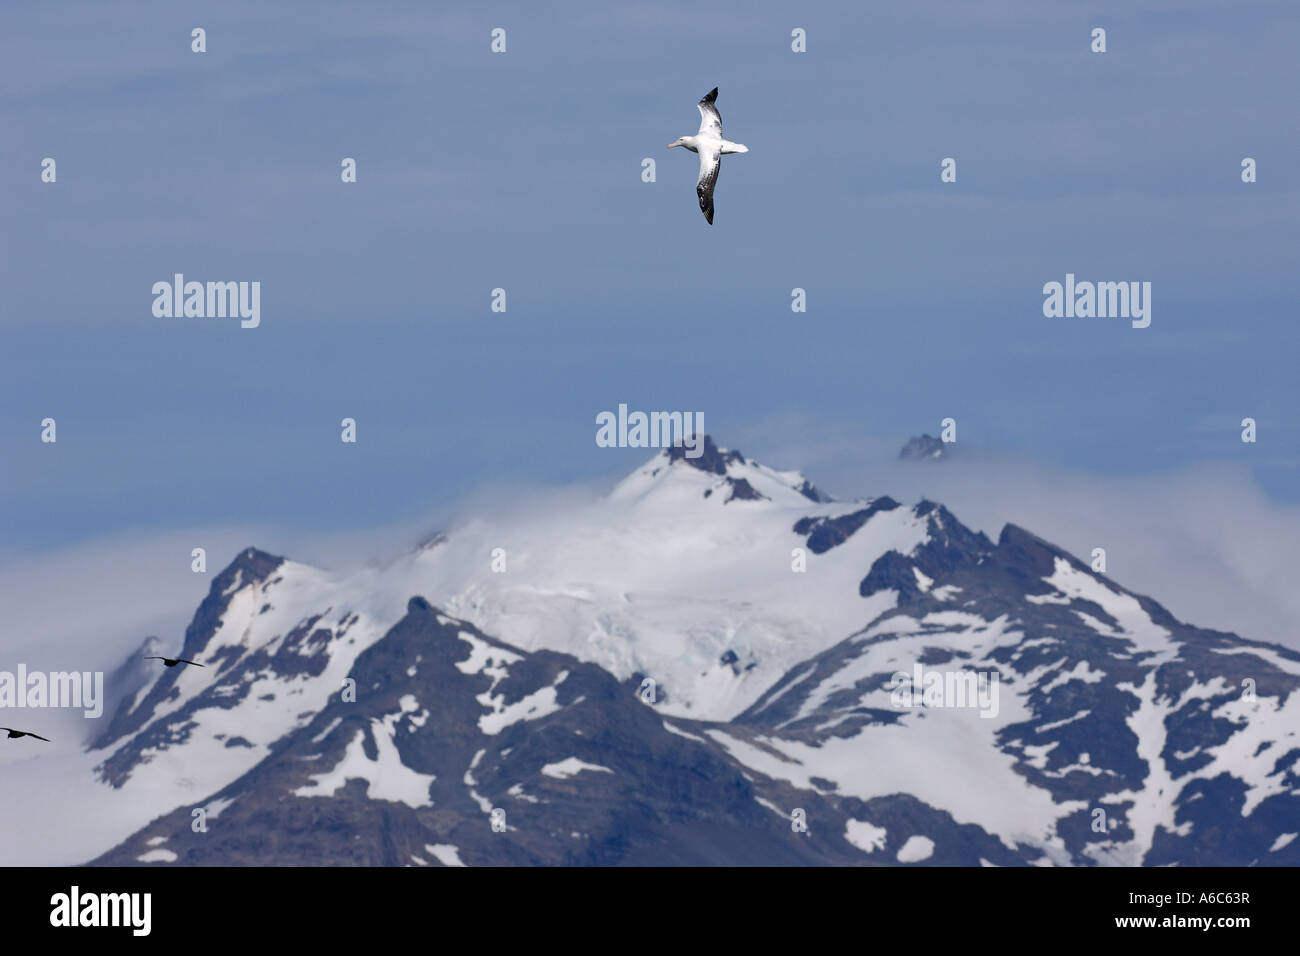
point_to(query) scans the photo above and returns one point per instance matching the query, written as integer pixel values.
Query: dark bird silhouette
(15, 734)
(173, 661)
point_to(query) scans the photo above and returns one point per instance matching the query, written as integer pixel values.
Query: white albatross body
(710, 146)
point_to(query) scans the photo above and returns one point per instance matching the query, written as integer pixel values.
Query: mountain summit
(923, 448)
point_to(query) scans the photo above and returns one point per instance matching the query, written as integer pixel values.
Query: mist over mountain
(922, 448)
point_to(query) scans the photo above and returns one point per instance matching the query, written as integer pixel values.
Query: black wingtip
(710, 96)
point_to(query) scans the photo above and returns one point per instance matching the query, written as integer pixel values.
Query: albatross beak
(671, 145)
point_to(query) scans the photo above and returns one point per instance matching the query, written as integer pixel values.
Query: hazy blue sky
(523, 171)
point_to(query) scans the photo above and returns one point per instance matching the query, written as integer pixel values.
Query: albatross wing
(710, 161)
(710, 121)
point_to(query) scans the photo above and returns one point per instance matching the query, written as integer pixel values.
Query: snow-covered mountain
(667, 673)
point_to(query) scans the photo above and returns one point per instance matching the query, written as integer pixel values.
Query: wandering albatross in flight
(710, 145)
